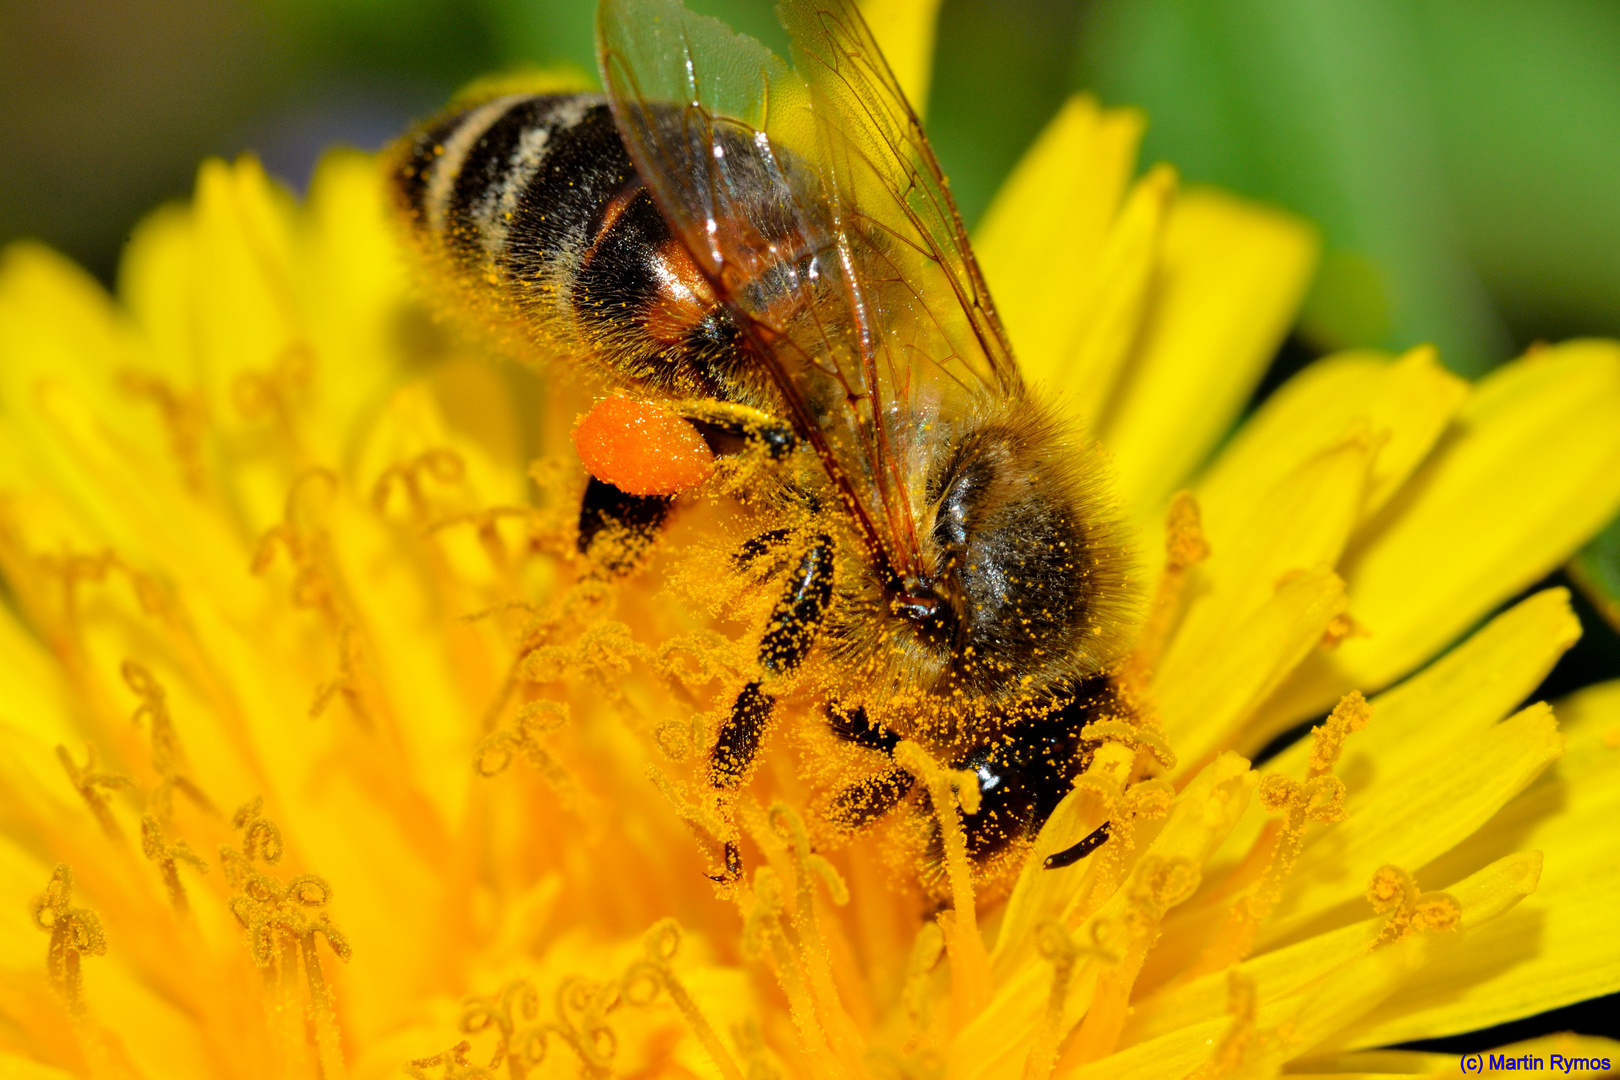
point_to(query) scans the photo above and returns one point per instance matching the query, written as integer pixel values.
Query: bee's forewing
(896, 331)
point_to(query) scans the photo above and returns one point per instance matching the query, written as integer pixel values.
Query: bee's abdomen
(514, 183)
(535, 197)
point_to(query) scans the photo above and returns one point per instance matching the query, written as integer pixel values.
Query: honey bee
(770, 255)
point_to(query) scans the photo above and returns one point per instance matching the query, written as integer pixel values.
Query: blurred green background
(1462, 157)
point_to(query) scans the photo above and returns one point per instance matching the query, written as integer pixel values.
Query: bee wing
(810, 198)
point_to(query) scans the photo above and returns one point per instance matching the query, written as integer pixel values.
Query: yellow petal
(1412, 821)
(1291, 1025)
(242, 304)
(1204, 812)
(1559, 946)
(1232, 277)
(1208, 695)
(1482, 896)
(1530, 469)
(1403, 405)
(1456, 698)
(155, 279)
(905, 32)
(350, 290)
(1111, 310)
(1443, 707)
(1303, 521)
(19, 1068)
(1043, 239)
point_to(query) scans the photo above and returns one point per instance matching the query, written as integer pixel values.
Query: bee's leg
(1093, 840)
(757, 547)
(788, 637)
(854, 726)
(859, 805)
(855, 807)
(729, 427)
(615, 527)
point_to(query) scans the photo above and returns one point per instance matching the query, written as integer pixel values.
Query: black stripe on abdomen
(561, 206)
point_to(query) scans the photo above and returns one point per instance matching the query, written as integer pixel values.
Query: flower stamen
(1320, 798)
(441, 465)
(1393, 890)
(167, 857)
(1156, 885)
(645, 978)
(808, 867)
(282, 922)
(952, 793)
(185, 417)
(75, 933)
(93, 784)
(763, 935)
(1058, 948)
(1185, 546)
(168, 759)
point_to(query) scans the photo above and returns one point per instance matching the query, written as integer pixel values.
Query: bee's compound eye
(642, 449)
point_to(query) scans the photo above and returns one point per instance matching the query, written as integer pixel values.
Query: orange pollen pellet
(641, 448)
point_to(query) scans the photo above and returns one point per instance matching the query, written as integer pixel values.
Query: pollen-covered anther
(517, 1002)
(75, 932)
(346, 683)
(454, 1062)
(1351, 714)
(765, 937)
(1157, 884)
(281, 923)
(305, 543)
(1185, 543)
(579, 1008)
(763, 915)
(926, 950)
(1231, 1051)
(168, 760)
(807, 865)
(1185, 546)
(185, 418)
(93, 786)
(261, 837)
(644, 979)
(168, 856)
(535, 721)
(1319, 799)
(1160, 884)
(276, 390)
(1137, 737)
(442, 466)
(1341, 628)
(1147, 799)
(601, 654)
(1392, 890)
(949, 790)
(706, 824)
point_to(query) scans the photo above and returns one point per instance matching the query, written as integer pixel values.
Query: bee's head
(1025, 585)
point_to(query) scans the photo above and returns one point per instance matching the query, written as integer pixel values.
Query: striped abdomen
(532, 201)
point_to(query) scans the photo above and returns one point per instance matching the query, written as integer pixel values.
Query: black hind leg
(616, 528)
(791, 632)
(860, 804)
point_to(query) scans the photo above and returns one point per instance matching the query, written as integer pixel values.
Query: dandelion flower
(319, 755)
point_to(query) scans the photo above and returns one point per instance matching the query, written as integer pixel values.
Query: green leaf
(1596, 570)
